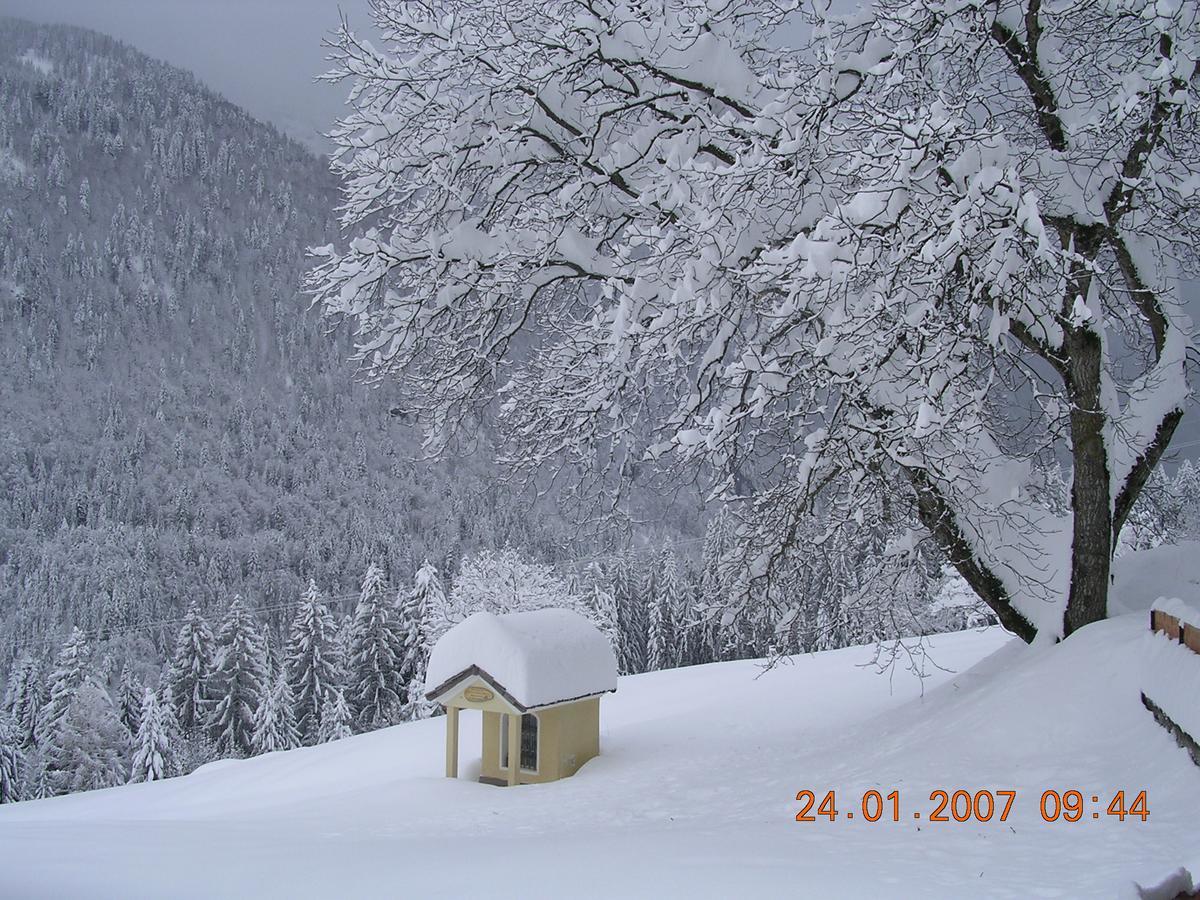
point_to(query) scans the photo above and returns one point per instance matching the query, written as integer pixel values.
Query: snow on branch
(936, 242)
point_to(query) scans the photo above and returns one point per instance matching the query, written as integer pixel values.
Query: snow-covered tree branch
(942, 243)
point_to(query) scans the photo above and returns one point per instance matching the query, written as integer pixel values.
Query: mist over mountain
(175, 423)
(263, 55)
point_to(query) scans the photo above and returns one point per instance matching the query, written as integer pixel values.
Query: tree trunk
(1091, 489)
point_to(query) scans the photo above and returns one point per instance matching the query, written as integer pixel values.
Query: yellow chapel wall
(568, 734)
(579, 734)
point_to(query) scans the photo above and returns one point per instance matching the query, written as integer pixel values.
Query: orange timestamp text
(974, 806)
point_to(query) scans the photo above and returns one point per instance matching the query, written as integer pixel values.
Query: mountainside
(693, 794)
(175, 422)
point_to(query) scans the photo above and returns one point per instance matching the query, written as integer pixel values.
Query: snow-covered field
(692, 797)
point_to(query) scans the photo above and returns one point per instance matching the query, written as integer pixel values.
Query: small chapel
(537, 678)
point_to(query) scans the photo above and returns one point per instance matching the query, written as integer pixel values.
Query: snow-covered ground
(692, 797)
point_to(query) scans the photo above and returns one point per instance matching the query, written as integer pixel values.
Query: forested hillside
(175, 424)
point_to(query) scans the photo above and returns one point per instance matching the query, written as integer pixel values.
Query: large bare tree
(941, 243)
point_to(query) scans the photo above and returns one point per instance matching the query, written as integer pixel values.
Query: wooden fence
(1187, 634)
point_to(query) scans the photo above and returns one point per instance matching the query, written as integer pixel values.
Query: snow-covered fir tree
(374, 691)
(275, 720)
(154, 743)
(89, 747)
(415, 624)
(69, 673)
(345, 631)
(715, 583)
(335, 718)
(312, 660)
(23, 697)
(1186, 488)
(238, 681)
(659, 627)
(131, 695)
(11, 760)
(604, 606)
(631, 613)
(671, 598)
(1165, 511)
(37, 781)
(191, 670)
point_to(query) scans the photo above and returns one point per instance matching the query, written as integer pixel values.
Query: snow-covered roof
(535, 658)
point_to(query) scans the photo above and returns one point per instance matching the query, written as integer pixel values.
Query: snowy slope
(693, 795)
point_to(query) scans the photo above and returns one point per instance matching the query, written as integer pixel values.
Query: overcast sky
(261, 54)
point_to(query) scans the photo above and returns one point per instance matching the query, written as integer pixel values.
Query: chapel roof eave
(437, 693)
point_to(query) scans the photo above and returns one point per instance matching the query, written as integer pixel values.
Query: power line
(120, 631)
(631, 551)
